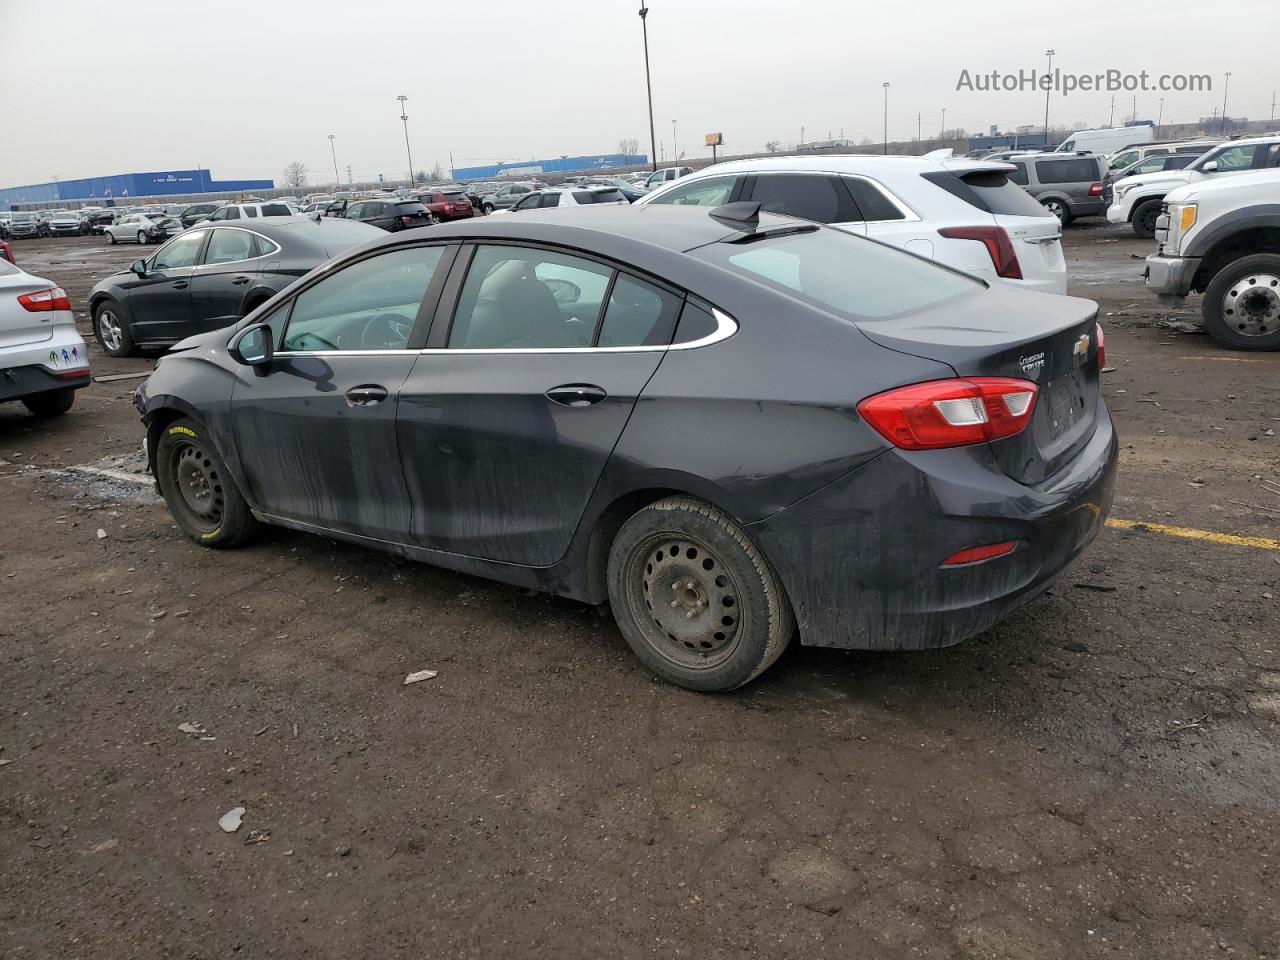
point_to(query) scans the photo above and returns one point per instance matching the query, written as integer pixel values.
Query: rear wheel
(111, 237)
(1058, 209)
(1242, 304)
(695, 599)
(51, 404)
(487, 208)
(198, 488)
(142, 237)
(1144, 218)
(112, 330)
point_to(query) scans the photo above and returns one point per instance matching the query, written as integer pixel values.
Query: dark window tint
(231, 213)
(816, 197)
(370, 305)
(1018, 174)
(1177, 163)
(276, 210)
(696, 323)
(873, 204)
(548, 200)
(999, 194)
(1075, 170)
(455, 196)
(250, 211)
(410, 209)
(638, 315)
(226, 246)
(584, 196)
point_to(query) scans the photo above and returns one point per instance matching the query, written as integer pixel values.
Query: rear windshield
(597, 196)
(409, 208)
(1077, 170)
(455, 195)
(850, 276)
(989, 190)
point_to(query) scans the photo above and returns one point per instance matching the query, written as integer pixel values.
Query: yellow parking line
(1190, 533)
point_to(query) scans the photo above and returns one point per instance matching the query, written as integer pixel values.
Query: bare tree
(421, 176)
(436, 172)
(628, 146)
(295, 174)
(772, 146)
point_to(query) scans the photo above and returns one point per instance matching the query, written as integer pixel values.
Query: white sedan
(142, 228)
(43, 356)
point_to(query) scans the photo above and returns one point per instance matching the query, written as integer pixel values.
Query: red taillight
(1102, 346)
(951, 413)
(978, 554)
(406, 220)
(999, 247)
(55, 298)
(1095, 190)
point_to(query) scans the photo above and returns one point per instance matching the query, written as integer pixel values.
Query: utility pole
(337, 179)
(1225, 87)
(1160, 117)
(802, 134)
(349, 180)
(675, 148)
(653, 140)
(886, 117)
(943, 134)
(1047, 87)
(1112, 121)
(918, 125)
(405, 118)
(1273, 105)
(1134, 117)
(450, 164)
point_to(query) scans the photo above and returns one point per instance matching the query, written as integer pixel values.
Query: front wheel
(112, 330)
(142, 237)
(1242, 304)
(488, 208)
(695, 599)
(51, 404)
(198, 488)
(111, 237)
(1058, 209)
(1145, 217)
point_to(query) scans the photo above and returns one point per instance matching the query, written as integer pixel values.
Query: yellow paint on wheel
(1190, 533)
(183, 430)
(211, 534)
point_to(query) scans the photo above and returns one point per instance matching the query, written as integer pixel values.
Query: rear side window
(815, 197)
(989, 190)
(1075, 170)
(1018, 174)
(871, 201)
(548, 200)
(251, 211)
(584, 196)
(276, 210)
(696, 323)
(638, 315)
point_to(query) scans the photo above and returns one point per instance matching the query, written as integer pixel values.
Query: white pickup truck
(1137, 200)
(1222, 238)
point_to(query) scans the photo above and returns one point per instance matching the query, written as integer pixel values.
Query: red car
(448, 204)
(6, 251)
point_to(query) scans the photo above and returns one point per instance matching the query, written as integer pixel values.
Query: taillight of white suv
(999, 247)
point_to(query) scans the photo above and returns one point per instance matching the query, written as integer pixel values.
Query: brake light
(55, 298)
(1095, 190)
(1102, 346)
(406, 220)
(951, 413)
(999, 247)
(979, 554)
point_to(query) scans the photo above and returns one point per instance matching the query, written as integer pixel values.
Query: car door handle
(366, 396)
(180, 285)
(239, 281)
(576, 394)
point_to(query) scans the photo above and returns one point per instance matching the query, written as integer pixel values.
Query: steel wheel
(1251, 307)
(109, 330)
(195, 478)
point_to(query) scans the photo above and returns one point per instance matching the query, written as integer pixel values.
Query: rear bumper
(861, 558)
(1089, 207)
(57, 363)
(1170, 278)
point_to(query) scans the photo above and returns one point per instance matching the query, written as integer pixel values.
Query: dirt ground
(1099, 776)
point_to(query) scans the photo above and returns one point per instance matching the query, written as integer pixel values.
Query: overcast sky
(94, 87)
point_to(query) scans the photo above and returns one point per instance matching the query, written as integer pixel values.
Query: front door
(316, 436)
(507, 423)
(231, 260)
(160, 301)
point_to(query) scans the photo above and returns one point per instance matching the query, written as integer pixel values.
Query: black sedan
(209, 277)
(389, 214)
(733, 427)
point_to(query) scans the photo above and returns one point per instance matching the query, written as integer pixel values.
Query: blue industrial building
(154, 184)
(532, 168)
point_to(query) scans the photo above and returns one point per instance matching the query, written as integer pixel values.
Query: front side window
(369, 305)
(179, 252)
(227, 246)
(525, 298)
(712, 192)
(1124, 159)
(1231, 159)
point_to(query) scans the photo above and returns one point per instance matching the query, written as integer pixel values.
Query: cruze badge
(1031, 365)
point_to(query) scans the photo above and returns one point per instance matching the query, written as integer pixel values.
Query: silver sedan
(142, 228)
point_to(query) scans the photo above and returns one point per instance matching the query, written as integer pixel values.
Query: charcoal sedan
(733, 427)
(211, 276)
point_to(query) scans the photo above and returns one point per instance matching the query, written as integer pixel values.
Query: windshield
(850, 276)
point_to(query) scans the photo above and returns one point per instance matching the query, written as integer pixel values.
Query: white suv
(965, 214)
(242, 211)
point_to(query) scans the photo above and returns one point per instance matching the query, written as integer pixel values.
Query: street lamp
(675, 149)
(336, 179)
(1160, 117)
(886, 116)
(1047, 87)
(405, 118)
(653, 139)
(1225, 87)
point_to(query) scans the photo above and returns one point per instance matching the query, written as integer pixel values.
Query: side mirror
(1210, 167)
(254, 346)
(139, 267)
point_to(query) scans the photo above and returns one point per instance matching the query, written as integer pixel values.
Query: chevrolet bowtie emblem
(1082, 345)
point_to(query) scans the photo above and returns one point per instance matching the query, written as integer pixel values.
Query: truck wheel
(695, 599)
(1058, 209)
(1144, 218)
(1242, 305)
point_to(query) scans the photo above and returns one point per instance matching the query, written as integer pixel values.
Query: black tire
(1144, 218)
(1242, 303)
(711, 616)
(142, 238)
(487, 209)
(1059, 209)
(200, 492)
(51, 404)
(111, 328)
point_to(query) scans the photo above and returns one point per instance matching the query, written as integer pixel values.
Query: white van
(1105, 141)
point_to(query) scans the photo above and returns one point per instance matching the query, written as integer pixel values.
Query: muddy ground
(1097, 777)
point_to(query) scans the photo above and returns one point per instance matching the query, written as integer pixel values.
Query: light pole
(943, 134)
(886, 116)
(332, 152)
(1160, 116)
(648, 86)
(1047, 87)
(405, 118)
(675, 148)
(1225, 87)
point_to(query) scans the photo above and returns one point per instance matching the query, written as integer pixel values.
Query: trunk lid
(1049, 340)
(19, 326)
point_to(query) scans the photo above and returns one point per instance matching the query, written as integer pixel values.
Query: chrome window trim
(222, 263)
(726, 327)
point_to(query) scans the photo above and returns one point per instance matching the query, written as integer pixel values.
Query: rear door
(507, 421)
(226, 271)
